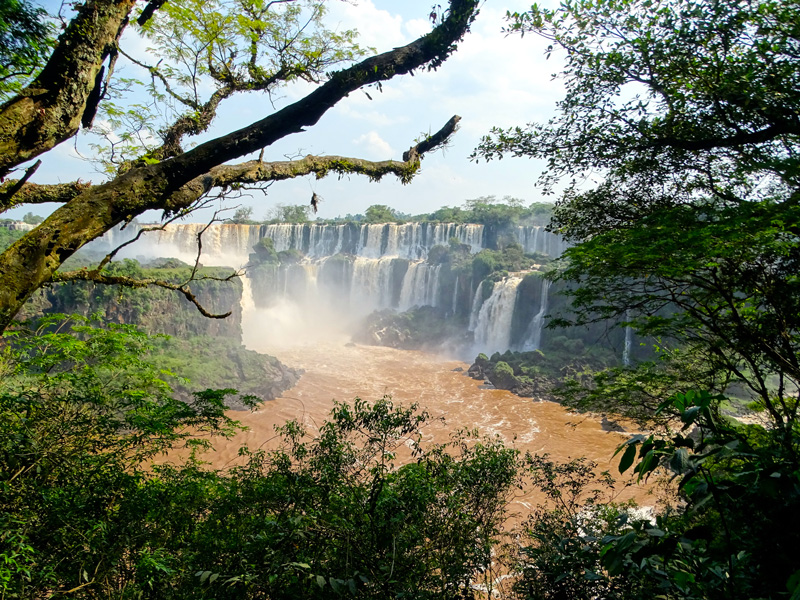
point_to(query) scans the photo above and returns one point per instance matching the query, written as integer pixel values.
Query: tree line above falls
(484, 210)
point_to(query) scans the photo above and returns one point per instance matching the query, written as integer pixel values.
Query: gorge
(303, 306)
(306, 279)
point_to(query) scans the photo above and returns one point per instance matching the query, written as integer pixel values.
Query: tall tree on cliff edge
(688, 115)
(236, 47)
(679, 140)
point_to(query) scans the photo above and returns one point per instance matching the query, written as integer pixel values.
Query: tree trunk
(67, 91)
(174, 184)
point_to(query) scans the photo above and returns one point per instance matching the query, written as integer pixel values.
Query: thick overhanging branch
(741, 138)
(15, 192)
(102, 278)
(33, 260)
(433, 141)
(19, 193)
(149, 10)
(256, 171)
(429, 50)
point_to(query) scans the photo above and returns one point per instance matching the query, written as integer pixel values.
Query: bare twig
(131, 282)
(17, 185)
(149, 10)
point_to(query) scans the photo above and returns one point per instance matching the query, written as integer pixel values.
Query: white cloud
(417, 27)
(377, 28)
(374, 146)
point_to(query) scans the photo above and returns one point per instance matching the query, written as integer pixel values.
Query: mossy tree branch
(50, 109)
(101, 278)
(171, 184)
(256, 171)
(13, 194)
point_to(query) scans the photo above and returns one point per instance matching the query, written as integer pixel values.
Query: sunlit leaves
(26, 37)
(203, 52)
(708, 89)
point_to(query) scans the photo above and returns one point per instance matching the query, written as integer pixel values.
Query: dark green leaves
(627, 458)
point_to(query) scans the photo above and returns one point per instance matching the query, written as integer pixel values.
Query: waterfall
(420, 285)
(226, 243)
(477, 300)
(371, 285)
(536, 239)
(248, 311)
(248, 303)
(455, 297)
(626, 350)
(493, 328)
(533, 336)
(348, 270)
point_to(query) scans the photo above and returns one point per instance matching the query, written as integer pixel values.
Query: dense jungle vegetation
(688, 111)
(484, 210)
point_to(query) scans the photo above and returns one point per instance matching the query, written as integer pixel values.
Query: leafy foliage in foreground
(688, 111)
(86, 511)
(82, 416)
(26, 38)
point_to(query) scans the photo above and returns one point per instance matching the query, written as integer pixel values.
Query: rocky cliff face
(221, 363)
(206, 352)
(153, 309)
(421, 328)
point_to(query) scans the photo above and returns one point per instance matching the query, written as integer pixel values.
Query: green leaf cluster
(90, 506)
(685, 115)
(26, 39)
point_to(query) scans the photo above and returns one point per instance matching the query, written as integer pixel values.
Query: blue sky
(493, 79)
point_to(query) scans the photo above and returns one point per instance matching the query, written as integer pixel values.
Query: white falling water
(222, 244)
(247, 302)
(455, 296)
(368, 254)
(626, 350)
(371, 286)
(420, 285)
(477, 301)
(409, 240)
(533, 336)
(536, 239)
(493, 328)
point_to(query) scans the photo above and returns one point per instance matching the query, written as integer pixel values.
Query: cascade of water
(311, 270)
(455, 296)
(222, 244)
(533, 336)
(535, 239)
(472, 235)
(283, 236)
(420, 285)
(433, 288)
(493, 328)
(477, 301)
(370, 246)
(395, 243)
(231, 243)
(413, 286)
(626, 350)
(372, 284)
(247, 303)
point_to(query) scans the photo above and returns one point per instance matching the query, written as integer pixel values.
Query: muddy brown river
(337, 370)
